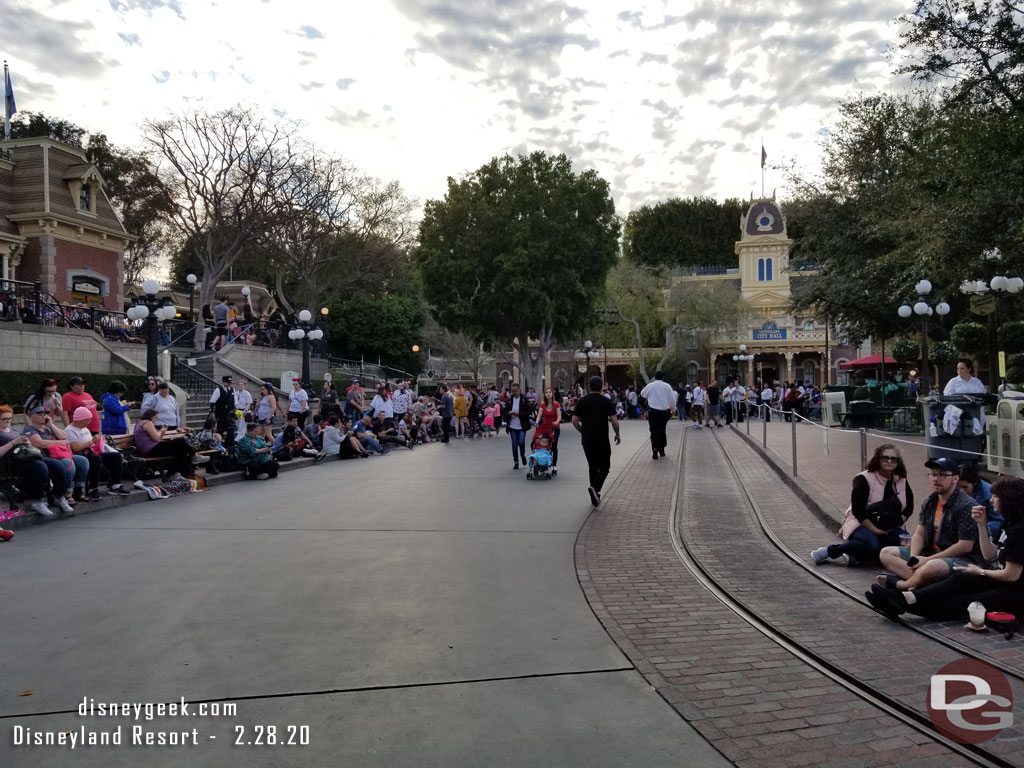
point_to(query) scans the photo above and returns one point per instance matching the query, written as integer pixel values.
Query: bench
(138, 467)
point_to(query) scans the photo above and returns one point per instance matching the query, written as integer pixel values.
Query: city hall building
(57, 225)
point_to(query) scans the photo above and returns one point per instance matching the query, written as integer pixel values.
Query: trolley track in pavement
(705, 566)
(1007, 669)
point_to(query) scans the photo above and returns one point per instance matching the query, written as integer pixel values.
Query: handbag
(886, 514)
(25, 453)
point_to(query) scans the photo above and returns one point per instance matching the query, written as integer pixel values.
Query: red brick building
(57, 225)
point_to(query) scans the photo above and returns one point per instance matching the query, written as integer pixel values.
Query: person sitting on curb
(981, 492)
(364, 434)
(386, 431)
(339, 440)
(152, 441)
(945, 537)
(998, 589)
(291, 441)
(868, 525)
(254, 455)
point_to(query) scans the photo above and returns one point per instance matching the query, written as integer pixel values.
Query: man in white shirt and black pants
(661, 401)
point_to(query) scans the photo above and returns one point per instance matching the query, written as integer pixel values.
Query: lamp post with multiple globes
(306, 333)
(152, 309)
(985, 301)
(924, 310)
(743, 357)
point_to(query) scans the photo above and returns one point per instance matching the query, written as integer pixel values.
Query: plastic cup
(976, 612)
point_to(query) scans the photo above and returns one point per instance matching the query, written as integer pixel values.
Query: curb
(820, 507)
(30, 519)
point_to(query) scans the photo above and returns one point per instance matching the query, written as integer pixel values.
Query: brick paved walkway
(755, 702)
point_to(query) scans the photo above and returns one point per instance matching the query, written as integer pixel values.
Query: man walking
(447, 409)
(661, 401)
(697, 409)
(590, 417)
(222, 403)
(713, 395)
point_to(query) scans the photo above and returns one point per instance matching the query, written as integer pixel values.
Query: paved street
(420, 609)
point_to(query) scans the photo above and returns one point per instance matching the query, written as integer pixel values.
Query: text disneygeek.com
(235, 734)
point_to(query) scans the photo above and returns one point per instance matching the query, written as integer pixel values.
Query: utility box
(829, 401)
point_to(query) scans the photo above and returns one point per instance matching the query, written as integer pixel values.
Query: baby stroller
(538, 463)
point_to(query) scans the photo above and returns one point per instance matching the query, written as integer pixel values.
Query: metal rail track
(891, 706)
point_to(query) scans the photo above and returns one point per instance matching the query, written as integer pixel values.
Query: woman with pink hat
(100, 456)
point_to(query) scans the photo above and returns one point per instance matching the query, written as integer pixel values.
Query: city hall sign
(770, 332)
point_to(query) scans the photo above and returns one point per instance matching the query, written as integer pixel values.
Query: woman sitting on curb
(998, 589)
(254, 455)
(37, 473)
(883, 483)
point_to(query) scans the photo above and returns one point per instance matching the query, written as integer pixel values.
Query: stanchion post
(764, 428)
(793, 423)
(863, 448)
(748, 418)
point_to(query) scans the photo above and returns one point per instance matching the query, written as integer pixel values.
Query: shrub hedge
(17, 386)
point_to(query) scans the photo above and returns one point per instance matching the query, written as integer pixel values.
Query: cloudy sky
(662, 98)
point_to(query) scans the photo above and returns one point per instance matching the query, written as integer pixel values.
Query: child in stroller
(538, 463)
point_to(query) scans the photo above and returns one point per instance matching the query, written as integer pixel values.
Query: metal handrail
(196, 383)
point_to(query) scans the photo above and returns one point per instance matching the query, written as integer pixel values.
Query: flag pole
(7, 112)
(762, 167)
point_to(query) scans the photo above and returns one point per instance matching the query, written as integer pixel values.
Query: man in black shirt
(590, 417)
(713, 396)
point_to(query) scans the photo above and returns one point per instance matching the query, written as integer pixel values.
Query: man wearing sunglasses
(946, 535)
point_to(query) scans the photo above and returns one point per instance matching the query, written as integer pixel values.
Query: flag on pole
(764, 156)
(9, 106)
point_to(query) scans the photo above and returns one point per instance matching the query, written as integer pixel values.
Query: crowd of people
(968, 544)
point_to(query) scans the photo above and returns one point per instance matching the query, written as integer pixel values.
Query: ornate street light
(305, 333)
(924, 310)
(152, 309)
(980, 305)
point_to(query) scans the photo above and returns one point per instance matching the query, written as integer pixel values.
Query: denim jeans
(371, 443)
(863, 546)
(518, 444)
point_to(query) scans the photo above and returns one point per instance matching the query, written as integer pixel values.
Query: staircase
(198, 381)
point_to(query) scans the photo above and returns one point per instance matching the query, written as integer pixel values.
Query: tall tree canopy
(518, 251)
(683, 232)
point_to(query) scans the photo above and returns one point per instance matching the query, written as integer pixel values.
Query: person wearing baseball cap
(946, 536)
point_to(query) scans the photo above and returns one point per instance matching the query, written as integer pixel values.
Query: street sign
(1002, 364)
(983, 305)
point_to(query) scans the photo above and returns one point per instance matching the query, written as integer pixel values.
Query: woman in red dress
(549, 422)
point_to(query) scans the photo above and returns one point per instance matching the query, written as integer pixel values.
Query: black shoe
(662, 452)
(888, 601)
(516, 465)
(655, 456)
(94, 495)
(595, 497)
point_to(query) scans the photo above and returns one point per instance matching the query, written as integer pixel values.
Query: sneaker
(820, 555)
(554, 471)
(595, 497)
(200, 459)
(119, 491)
(320, 457)
(6, 535)
(140, 485)
(94, 495)
(263, 476)
(697, 426)
(384, 451)
(39, 507)
(845, 560)
(65, 507)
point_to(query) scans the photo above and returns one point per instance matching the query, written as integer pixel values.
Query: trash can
(1017, 462)
(1002, 441)
(955, 438)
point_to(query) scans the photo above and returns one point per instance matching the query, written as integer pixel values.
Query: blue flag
(9, 106)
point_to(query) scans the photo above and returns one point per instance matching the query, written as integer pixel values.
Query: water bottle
(933, 429)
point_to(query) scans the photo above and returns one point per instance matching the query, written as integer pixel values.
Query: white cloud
(659, 103)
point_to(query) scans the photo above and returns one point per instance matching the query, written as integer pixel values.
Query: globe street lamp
(152, 309)
(306, 333)
(924, 310)
(982, 304)
(191, 280)
(741, 358)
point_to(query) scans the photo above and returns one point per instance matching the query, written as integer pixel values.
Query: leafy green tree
(383, 325)
(976, 47)
(517, 252)
(657, 314)
(679, 232)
